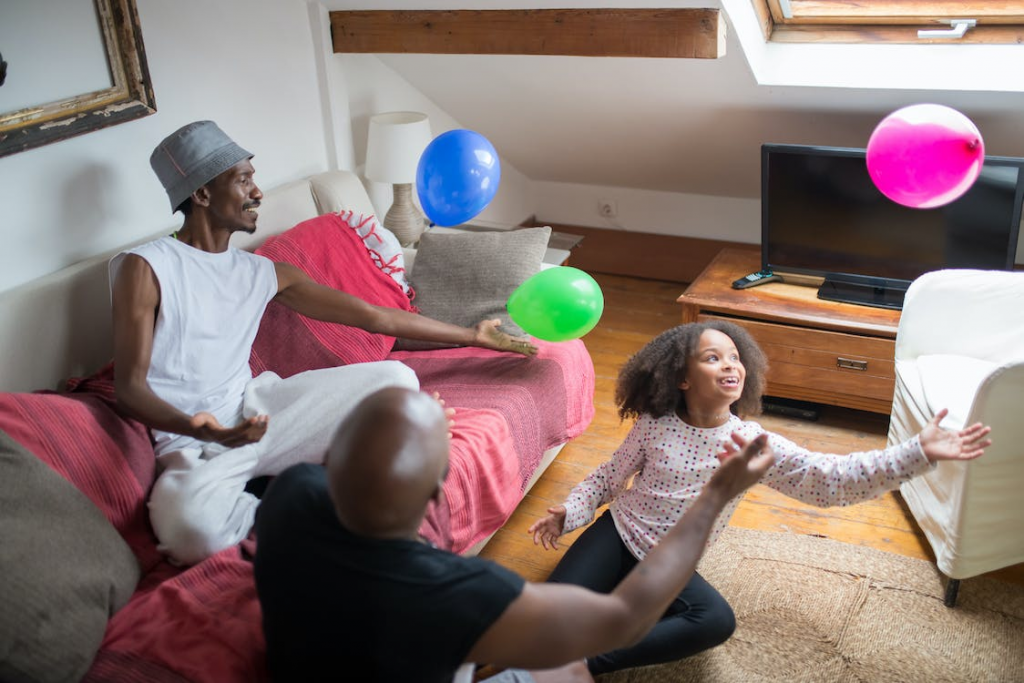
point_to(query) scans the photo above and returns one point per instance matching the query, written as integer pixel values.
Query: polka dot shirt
(673, 461)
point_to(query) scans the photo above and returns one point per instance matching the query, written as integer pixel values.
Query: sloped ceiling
(673, 125)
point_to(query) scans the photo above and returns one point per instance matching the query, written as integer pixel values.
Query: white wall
(734, 219)
(257, 68)
(673, 142)
(371, 87)
(246, 64)
(28, 35)
(672, 138)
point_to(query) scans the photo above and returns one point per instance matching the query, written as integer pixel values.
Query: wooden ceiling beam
(667, 33)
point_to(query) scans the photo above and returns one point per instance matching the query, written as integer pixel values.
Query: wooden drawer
(837, 368)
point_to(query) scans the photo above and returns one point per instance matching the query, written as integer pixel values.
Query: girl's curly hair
(649, 381)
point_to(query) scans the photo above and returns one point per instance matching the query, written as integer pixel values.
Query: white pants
(199, 505)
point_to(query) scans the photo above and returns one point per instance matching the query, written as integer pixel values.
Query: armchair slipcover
(960, 345)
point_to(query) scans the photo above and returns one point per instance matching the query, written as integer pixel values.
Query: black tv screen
(822, 215)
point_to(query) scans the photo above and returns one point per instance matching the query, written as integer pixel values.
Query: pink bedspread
(509, 409)
(202, 624)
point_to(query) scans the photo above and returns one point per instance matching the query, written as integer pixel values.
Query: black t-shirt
(337, 606)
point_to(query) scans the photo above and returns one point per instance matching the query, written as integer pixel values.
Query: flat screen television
(822, 216)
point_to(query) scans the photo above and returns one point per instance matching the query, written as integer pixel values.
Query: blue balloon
(457, 176)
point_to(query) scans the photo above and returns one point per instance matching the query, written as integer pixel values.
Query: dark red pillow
(104, 455)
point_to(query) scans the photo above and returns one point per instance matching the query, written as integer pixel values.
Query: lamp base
(404, 218)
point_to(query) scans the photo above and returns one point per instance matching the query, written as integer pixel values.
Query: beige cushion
(465, 277)
(336, 191)
(65, 572)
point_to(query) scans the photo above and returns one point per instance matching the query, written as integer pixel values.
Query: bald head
(387, 461)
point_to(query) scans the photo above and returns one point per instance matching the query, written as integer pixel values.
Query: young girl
(688, 390)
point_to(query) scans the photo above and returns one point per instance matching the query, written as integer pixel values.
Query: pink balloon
(925, 155)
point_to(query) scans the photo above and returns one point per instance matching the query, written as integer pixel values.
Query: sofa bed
(86, 594)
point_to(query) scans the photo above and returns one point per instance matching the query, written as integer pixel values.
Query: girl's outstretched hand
(546, 531)
(944, 444)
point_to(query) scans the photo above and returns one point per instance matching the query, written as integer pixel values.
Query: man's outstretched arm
(298, 291)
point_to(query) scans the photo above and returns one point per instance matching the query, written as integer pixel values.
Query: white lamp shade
(395, 144)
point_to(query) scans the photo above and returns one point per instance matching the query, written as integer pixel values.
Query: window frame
(999, 22)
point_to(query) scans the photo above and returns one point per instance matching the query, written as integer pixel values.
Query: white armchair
(960, 345)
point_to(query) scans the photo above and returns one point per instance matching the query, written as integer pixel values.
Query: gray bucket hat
(192, 156)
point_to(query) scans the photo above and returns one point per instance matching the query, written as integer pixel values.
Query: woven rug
(814, 610)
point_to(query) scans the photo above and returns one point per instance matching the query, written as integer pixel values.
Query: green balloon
(557, 304)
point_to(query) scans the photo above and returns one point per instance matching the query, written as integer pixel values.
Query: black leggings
(697, 620)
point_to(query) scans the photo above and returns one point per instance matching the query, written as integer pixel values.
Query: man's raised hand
(742, 465)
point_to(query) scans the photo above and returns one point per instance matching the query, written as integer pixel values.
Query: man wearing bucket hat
(186, 311)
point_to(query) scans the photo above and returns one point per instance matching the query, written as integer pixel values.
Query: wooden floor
(635, 311)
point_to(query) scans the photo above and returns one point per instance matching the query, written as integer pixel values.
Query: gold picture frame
(130, 97)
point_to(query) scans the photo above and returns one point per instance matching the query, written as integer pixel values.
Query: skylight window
(881, 55)
(892, 21)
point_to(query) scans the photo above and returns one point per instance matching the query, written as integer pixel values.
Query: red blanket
(203, 623)
(331, 252)
(508, 410)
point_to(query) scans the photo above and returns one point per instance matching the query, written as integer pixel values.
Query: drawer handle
(850, 364)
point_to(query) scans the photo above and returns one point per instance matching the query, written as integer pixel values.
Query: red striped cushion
(107, 457)
(200, 625)
(332, 253)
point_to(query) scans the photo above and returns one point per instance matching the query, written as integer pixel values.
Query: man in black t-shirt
(336, 601)
(348, 587)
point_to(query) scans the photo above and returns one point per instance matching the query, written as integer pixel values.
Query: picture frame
(130, 97)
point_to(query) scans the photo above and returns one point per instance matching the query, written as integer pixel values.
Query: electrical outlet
(607, 208)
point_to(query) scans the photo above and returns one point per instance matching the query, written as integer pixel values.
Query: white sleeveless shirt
(211, 305)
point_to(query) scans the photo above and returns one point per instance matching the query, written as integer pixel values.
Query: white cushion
(951, 381)
(337, 191)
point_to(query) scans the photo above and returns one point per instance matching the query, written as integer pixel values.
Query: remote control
(759, 278)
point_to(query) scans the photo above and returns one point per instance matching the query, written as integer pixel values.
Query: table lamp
(396, 142)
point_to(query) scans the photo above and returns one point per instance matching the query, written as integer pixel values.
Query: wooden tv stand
(819, 351)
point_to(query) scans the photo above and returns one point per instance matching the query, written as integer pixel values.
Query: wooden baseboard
(640, 254)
